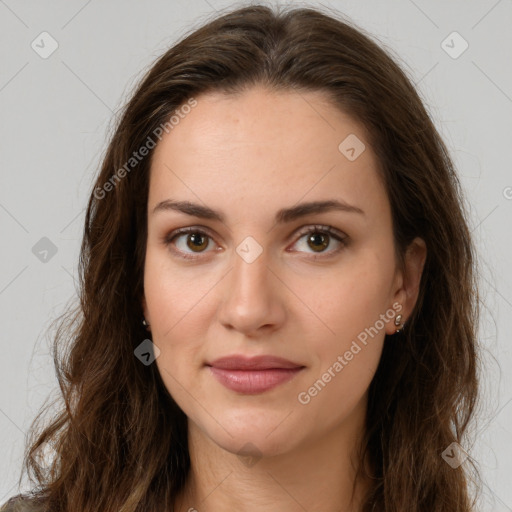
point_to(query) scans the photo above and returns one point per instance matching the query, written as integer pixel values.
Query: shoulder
(21, 503)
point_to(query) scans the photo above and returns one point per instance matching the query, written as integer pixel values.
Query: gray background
(56, 113)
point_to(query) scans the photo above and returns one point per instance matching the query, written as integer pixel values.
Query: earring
(398, 323)
(144, 323)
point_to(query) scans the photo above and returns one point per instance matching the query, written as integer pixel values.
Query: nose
(253, 297)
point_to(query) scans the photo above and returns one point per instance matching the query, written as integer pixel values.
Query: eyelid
(340, 237)
(324, 228)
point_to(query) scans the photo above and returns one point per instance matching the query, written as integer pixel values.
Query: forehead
(269, 148)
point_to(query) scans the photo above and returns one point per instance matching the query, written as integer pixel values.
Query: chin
(254, 444)
(256, 433)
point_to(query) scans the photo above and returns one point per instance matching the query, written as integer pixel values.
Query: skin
(249, 156)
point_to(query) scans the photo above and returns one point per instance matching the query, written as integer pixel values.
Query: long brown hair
(120, 439)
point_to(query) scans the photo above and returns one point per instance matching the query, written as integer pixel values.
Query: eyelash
(329, 230)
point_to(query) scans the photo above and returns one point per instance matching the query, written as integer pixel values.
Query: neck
(317, 476)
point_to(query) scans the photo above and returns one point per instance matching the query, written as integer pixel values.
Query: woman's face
(249, 280)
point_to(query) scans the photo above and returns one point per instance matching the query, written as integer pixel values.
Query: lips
(238, 362)
(253, 375)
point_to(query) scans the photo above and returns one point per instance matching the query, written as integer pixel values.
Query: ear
(407, 282)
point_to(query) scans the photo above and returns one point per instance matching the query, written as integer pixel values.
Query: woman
(278, 299)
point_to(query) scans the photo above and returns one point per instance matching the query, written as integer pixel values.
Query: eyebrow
(282, 216)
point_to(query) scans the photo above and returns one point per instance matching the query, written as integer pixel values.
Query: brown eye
(197, 241)
(318, 241)
(320, 238)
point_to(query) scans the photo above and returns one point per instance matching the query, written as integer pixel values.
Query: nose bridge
(250, 298)
(250, 275)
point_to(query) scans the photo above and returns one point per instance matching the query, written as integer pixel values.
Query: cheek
(173, 295)
(348, 355)
(350, 299)
(351, 305)
(173, 302)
